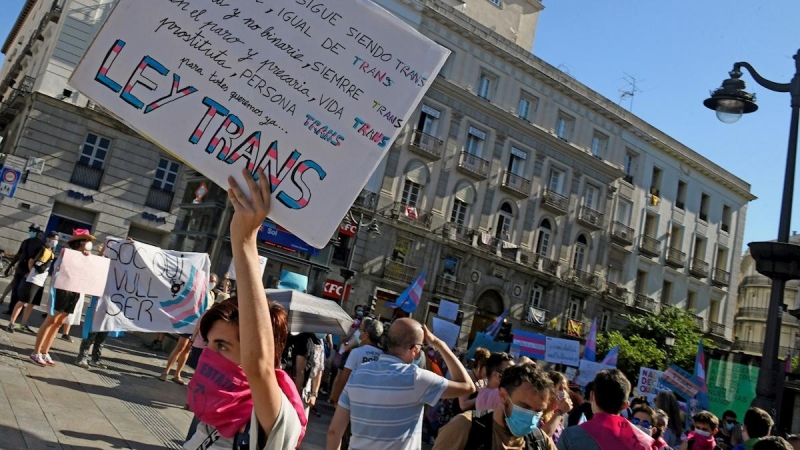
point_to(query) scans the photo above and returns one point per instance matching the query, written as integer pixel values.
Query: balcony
(645, 303)
(621, 233)
(699, 268)
(721, 278)
(716, 329)
(676, 258)
(536, 316)
(752, 312)
(412, 215)
(700, 322)
(10, 107)
(582, 278)
(650, 246)
(426, 145)
(159, 199)
(546, 265)
(457, 232)
(516, 184)
(86, 176)
(756, 347)
(449, 287)
(590, 217)
(399, 272)
(617, 292)
(555, 202)
(473, 165)
(366, 200)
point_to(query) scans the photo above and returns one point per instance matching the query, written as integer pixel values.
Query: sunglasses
(643, 423)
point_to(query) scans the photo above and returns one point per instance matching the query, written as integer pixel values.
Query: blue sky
(678, 51)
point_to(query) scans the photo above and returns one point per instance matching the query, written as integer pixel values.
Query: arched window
(504, 220)
(545, 235)
(579, 257)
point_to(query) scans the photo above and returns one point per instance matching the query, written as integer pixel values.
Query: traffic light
(504, 335)
(373, 303)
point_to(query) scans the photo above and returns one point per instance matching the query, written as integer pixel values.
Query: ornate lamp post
(372, 228)
(776, 260)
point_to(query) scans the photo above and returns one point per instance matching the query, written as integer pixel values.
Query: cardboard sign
(81, 273)
(730, 386)
(485, 341)
(587, 370)
(152, 290)
(650, 383)
(313, 93)
(446, 331)
(680, 381)
(231, 273)
(448, 310)
(562, 351)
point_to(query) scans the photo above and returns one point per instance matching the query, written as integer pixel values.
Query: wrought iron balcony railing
(753, 312)
(645, 303)
(617, 292)
(622, 233)
(159, 199)
(86, 176)
(473, 165)
(426, 145)
(450, 287)
(676, 258)
(715, 328)
(721, 278)
(399, 272)
(699, 268)
(590, 217)
(516, 184)
(582, 278)
(650, 246)
(555, 201)
(412, 215)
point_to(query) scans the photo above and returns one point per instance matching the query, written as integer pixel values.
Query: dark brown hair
(706, 418)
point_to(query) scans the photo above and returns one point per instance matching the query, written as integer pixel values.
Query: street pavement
(124, 406)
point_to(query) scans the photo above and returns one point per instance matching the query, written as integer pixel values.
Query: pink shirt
(488, 399)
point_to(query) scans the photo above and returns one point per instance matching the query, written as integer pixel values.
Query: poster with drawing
(313, 93)
(152, 290)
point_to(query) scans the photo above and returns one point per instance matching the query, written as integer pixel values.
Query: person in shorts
(64, 302)
(37, 274)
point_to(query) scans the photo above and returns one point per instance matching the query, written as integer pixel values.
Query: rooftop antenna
(631, 91)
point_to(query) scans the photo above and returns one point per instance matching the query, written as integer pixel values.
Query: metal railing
(700, 322)
(516, 183)
(426, 145)
(450, 287)
(699, 268)
(412, 215)
(591, 217)
(536, 316)
(749, 311)
(555, 201)
(675, 257)
(399, 272)
(715, 328)
(473, 164)
(159, 199)
(622, 233)
(650, 246)
(759, 280)
(458, 232)
(546, 265)
(582, 278)
(721, 277)
(617, 292)
(366, 200)
(86, 176)
(645, 303)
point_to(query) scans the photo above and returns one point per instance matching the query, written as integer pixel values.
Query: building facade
(515, 187)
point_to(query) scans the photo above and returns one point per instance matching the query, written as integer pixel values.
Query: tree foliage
(643, 342)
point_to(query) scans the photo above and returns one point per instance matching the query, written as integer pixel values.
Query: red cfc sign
(333, 290)
(348, 229)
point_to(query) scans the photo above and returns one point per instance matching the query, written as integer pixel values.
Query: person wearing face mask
(553, 419)
(37, 274)
(28, 249)
(384, 399)
(607, 430)
(702, 438)
(488, 398)
(756, 425)
(726, 430)
(645, 418)
(64, 302)
(525, 391)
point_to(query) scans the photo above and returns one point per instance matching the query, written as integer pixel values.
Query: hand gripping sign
(313, 93)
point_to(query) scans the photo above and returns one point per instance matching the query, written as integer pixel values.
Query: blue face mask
(522, 421)
(31, 234)
(321, 336)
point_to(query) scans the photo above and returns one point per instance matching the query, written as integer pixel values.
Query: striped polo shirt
(386, 399)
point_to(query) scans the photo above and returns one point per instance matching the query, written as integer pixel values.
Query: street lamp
(669, 340)
(776, 260)
(372, 228)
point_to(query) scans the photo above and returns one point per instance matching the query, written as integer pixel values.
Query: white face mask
(211, 285)
(88, 246)
(703, 433)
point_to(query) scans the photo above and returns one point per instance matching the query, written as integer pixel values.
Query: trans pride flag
(408, 301)
(590, 349)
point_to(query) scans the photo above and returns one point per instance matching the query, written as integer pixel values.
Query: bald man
(384, 399)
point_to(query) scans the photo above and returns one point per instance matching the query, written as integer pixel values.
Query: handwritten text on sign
(562, 351)
(313, 93)
(150, 289)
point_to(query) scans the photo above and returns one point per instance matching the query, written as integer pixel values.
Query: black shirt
(28, 249)
(574, 416)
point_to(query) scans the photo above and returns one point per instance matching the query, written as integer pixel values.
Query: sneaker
(82, 363)
(10, 328)
(66, 337)
(98, 365)
(38, 359)
(27, 328)
(48, 360)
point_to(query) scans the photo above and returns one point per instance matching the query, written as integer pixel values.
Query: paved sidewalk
(124, 406)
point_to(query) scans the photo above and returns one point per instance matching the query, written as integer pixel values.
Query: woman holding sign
(64, 303)
(237, 392)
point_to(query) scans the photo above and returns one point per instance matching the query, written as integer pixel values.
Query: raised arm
(255, 327)
(461, 384)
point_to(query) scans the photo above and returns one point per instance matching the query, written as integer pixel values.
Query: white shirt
(361, 355)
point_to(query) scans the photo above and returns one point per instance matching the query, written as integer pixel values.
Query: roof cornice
(12, 35)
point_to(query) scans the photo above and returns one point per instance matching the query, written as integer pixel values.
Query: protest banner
(446, 331)
(152, 290)
(485, 341)
(85, 274)
(562, 351)
(650, 383)
(730, 386)
(448, 310)
(587, 370)
(680, 381)
(312, 93)
(530, 344)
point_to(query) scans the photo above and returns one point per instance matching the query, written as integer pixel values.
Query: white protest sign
(448, 310)
(313, 93)
(446, 331)
(587, 370)
(152, 290)
(650, 383)
(85, 274)
(231, 273)
(562, 351)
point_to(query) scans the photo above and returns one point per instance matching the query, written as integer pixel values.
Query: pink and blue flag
(494, 328)
(590, 349)
(408, 301)
(530, 344)
(700, 367)
(612, 357)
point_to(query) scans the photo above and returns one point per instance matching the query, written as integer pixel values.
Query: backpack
(480, 435)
